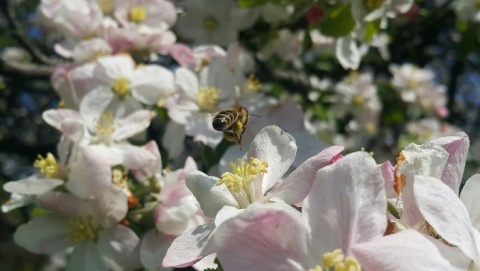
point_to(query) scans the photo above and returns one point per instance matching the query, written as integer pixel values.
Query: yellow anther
(210, 23)
(253, 84)
(137, 14)
(83, 229)
(240, 181)
(50, 167)
(331, 259)
(358, 100)
(371, 5)
(316, 268)
(105, 128)
(207, 99)
(107, 6)
(122, 87)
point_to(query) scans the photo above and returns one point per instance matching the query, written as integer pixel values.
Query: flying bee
(232, 122)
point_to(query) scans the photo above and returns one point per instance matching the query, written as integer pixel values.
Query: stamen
(207, 99)
(50, 167)
(84, 228)
(121, 87)
(253, 85)
(105, 128)
(336, 261)
(210, 23)
(137, 14)
(245, 183)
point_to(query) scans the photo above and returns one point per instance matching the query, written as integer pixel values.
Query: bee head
(219, 124)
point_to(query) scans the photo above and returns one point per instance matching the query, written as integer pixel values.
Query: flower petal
(457, 147)
(190, 247)
(276, 147)
(188, 82)
(86, 256)
(263, 237)
(348, 201)
(444, 211)
(90, 175)
(32, 186)
(297, 185)
(119, 247)
(153, 249)
(409, 250)
(151, 83)
(133, 124)
(173, 216)
(210, 196)
(471, 200)
(52, 238)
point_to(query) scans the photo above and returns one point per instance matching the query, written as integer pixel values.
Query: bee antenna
(255, 115)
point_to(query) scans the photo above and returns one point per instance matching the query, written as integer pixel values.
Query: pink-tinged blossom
(344, 216)
(132, 40)
(149, 16)
(176, 211)
(256, 179)
(90, 228)
(105, 135)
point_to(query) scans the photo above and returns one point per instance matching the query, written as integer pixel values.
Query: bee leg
(238, 131)
(229, 137)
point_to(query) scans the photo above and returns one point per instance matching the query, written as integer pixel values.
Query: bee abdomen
(223, 120)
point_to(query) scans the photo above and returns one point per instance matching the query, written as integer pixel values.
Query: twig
(7, 8)
(26, 69)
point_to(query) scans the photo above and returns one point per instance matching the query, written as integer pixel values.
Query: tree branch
(7, 8)
(26, 69)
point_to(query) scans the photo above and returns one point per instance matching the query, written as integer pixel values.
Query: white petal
(94, 104)
(52, 238)
(444, 211)
(348, 201)
(190, 247)
(277, 148)
(135, 157)
(409, 250)
(347, 53)
(32, 186)
(111, 68)
(471, 200)
(133, 124)
(174, 217)
(86, 256)
(153, 249)
(151, 83)
(109, 208)
(119, 247)
(17, 201)
(210, 196)
(90, 175)
(188, 82)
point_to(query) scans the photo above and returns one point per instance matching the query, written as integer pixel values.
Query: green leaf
(338, 23)
(468, 42)
(251, 3)
(371, 31)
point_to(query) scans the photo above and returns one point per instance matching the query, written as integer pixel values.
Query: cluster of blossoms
(110, 199)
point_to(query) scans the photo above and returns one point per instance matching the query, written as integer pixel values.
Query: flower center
(358, 100)
(122, 87)
(253, 85)
(137, 14)
(50, 167)
(83, 229)
(107, 6)
(207, 99)
(105, 128)
(336, 261)
(210, 23)
(371, 5)
(245, 183)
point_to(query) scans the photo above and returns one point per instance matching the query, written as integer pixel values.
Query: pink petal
(63, 203)
(173, 217)
(297, 185)
(348, 202)
(444, 211)
(408, 250)
(263, 237)
(388, 175)
(135, 157)
(457, 147)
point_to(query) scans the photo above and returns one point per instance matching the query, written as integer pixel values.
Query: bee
(232, 122)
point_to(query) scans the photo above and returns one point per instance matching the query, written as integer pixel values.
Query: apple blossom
(255, 179)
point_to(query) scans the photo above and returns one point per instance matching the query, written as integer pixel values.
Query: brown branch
(25, 69)
(7, 8)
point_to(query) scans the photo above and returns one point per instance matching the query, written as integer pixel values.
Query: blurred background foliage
(433, 39)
